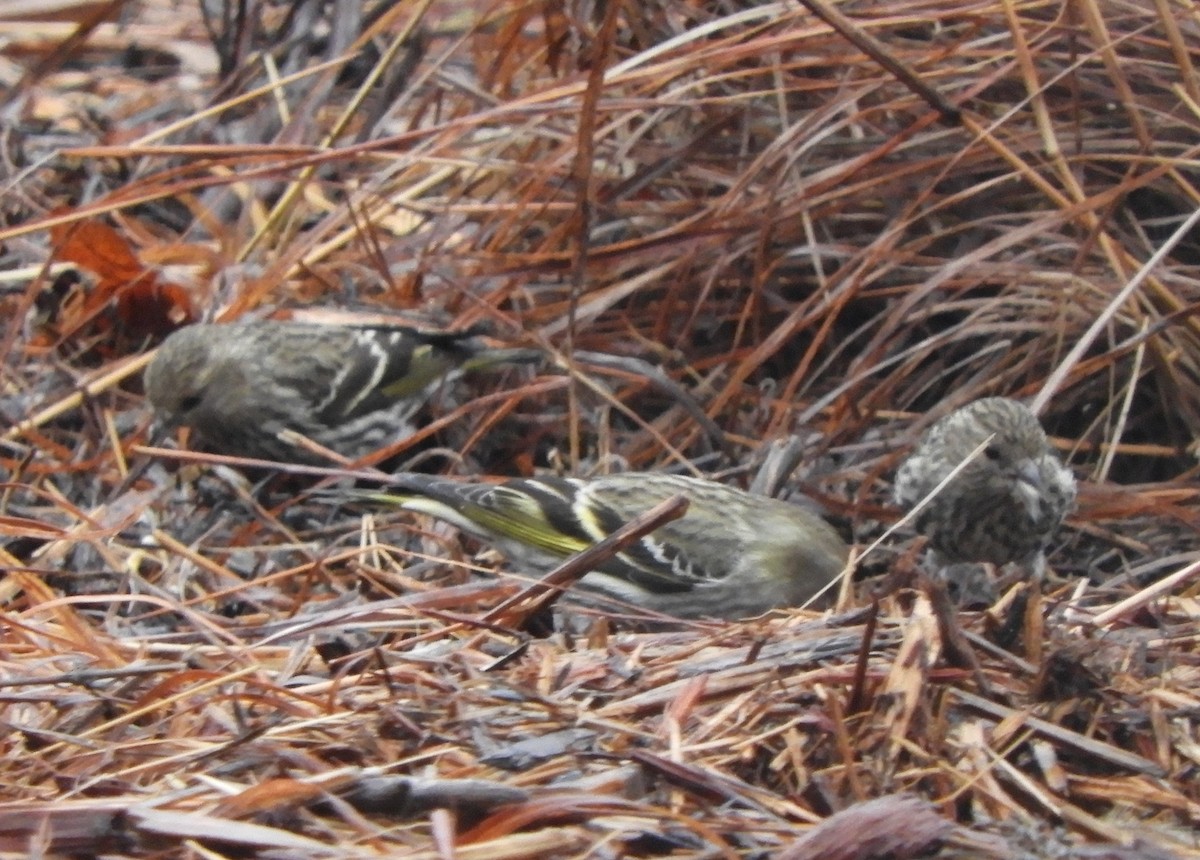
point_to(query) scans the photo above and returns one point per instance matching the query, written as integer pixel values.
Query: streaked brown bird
(731, 555)
(350, 388)
(1003, 506)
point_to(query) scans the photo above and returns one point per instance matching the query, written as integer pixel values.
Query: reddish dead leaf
(269, 796)
(97, 247)
(127, 295)
(564, 806)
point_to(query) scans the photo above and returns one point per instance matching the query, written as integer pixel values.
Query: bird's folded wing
(537, 517)
(649, 563)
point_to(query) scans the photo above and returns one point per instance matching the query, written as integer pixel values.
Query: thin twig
(543, 593)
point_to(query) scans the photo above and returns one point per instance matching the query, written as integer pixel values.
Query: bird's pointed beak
(157, 431)
(162, 430)
(1029, 473)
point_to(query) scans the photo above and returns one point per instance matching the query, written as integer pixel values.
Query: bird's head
(190, 378)
(1014, 461)
(1011, 463)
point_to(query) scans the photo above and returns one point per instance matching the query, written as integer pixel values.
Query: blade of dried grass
(287, 201)
(1088, 746)
(1179, 51)
(1144, 597)
(107, 378)
(1056, 379)
(875, 49)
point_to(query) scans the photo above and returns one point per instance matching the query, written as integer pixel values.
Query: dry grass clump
(731, 225)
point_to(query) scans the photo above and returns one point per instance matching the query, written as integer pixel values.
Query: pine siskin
(1005, 505)
(731, 555)
(349, 388)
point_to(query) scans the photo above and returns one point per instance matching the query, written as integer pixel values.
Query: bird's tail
(452, 501)
(489, 358)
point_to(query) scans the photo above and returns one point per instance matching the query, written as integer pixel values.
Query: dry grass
(737, 200)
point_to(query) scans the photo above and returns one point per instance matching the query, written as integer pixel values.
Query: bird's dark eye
(189, 403)
(992, 453)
